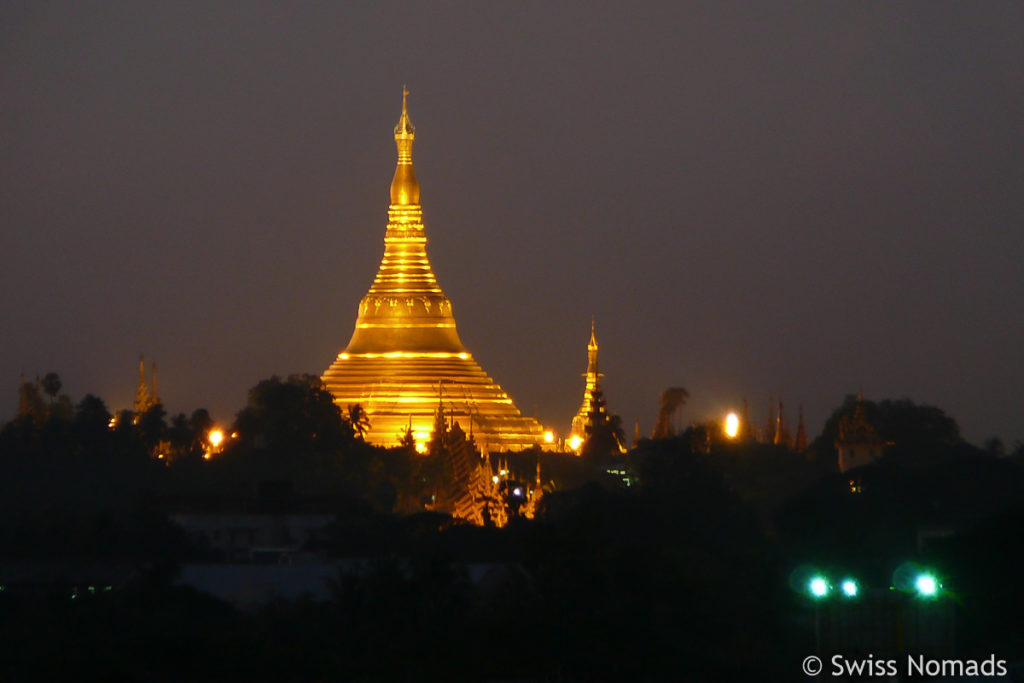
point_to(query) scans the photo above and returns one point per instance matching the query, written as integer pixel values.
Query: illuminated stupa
(579, 423)
(405, 359)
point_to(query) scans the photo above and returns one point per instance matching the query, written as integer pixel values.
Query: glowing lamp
(575, 442)
(818, 587)
(549, 436)
(216, 437)
(927, 585)
(850, 588)
(732, 425)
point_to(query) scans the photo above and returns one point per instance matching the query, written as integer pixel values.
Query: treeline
(679, 566)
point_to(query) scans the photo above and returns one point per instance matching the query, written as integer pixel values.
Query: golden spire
(142, 398)
(800, 445)
(593, 383)
(405, 189)
(153, 396)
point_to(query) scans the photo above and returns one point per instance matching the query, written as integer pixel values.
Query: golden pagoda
(593, 383)
(405, 359)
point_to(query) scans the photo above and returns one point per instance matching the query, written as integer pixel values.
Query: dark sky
(793, 200)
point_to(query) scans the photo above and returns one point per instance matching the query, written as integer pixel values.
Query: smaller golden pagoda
(593, 384)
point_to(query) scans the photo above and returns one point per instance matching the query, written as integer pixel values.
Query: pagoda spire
(142, 398)
(154, 397)
(405, 189)
(769, 428)
(800, 445)
(782, 429)
(592, 352)
(593, 384)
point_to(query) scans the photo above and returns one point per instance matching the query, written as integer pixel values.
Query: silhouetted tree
(407, 440)
(91, 425)
(439, 434)
(30, 402)
(51, 385)
(604, 435)
(913, 431)
(293, 416)
(359, 420)
(92, 413)
(152, 428)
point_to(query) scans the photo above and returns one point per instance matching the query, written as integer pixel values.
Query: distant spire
(154, 397)
(801, 433)
(593, 384)
(746, 431)
(782, 429)
(142, 397)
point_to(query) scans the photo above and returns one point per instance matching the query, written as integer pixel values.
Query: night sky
(754, 200)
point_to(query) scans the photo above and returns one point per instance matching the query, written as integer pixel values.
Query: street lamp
(927, 585)
(818, 586)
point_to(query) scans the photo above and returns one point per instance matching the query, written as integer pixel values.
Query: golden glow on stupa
(593, 377)
(405, 357)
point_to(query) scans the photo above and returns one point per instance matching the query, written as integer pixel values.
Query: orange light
(732, 425)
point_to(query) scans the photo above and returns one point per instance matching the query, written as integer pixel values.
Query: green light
(818, 587)
(850, 588)
(927, 585)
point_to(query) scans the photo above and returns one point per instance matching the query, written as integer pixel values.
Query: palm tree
(407, 440)
(359, 420)
(51, 385)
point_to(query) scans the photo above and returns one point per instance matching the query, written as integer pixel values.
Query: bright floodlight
(575, 442)
(216, 437)
(926, 585)
(850, 588)
(732, 425)
(549, 436)
(818, 586)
